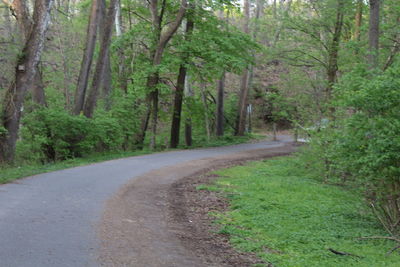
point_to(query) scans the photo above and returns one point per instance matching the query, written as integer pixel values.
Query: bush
(54, 134)
(364, 142)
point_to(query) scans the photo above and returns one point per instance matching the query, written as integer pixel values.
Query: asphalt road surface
(50, 219)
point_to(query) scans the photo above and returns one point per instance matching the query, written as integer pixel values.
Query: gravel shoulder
(160, 219)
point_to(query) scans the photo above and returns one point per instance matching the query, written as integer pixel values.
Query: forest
(79, 77)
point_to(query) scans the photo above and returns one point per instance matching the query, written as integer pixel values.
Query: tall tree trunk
(123, 80)
(220, 106)
(38, 95)
(333, 52)
(219, 116)
(66, 72)
(373, 34)
(358, 20)
(91, 100)
(205, 105)
(87, 58)
(24, 21)
(106, 82)
(176, 113)
(188, 122)
(244, 88)
(25, 72)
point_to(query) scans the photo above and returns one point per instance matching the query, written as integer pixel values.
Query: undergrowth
(289, 219)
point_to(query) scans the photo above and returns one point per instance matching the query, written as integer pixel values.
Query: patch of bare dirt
(160, 219)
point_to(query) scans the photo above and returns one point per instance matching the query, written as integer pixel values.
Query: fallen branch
(342, 253)
(392, 250)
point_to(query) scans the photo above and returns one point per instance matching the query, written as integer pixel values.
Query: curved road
(50, 219)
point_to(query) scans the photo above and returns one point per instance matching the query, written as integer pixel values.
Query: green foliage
(291, 220)
(362, 145)
(54, 134)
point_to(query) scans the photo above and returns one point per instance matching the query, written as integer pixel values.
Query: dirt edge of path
(192, 209)
(160, 219)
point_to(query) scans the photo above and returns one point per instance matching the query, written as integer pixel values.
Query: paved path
(50, 219)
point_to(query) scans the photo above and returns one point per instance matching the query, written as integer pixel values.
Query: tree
(373, 34)
(180, 86)
(86, 62)
(160, 40)
(25, 72)
(24, 21)
(102, 61)
(244, 83)
(220, 106)
(333, 50)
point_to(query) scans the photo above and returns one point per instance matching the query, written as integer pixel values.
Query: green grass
(291, 220)
(11, 173)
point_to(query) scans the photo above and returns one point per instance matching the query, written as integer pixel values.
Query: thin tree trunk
(123, 80)
(66, 75)
(188, 122)
(38, 95)
(86, 64)
(206, 119)
(244, 88)
(219, 116)
(358, 20)
(91, 100)
(176, 113)
(373, 34)
(220, 106)
(25, 72)
(332, 66)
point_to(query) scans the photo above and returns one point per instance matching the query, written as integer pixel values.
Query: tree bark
(244, 88)
(188, 122)
(106, 82)
(25, 72)
(205, 105)
(358, 20)
(220, 106)
(87, 58)
(332, 66)
(24, 21)
(91, 100)
(373, 34)
(176, 114)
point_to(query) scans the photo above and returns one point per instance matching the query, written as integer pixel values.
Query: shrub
(363, 144)
(54, 134)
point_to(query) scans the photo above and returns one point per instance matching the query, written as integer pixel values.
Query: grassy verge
(291, 220)
(8, 174)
